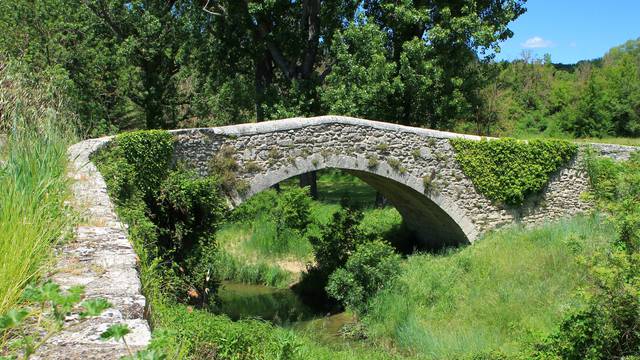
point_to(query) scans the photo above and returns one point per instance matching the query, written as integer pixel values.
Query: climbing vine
(508, 170)
(149, 153)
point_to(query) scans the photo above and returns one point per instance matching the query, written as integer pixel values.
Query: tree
(368, 270)
(162, 64)
(363, 81)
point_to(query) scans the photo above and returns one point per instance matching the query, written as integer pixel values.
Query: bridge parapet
(414, 168)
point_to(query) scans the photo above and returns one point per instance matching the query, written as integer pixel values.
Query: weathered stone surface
(452, 212)
(100, 258)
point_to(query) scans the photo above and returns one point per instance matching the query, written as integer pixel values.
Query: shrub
(190, 208)
(291, 209)
(258, 204)
(118, 172)
(508, 170)
(611, 180)
(335, 242)
(608, 327)
(368, 270)
(149, 152)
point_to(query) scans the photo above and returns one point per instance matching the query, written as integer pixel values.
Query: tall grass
(499, 294)
(33, 185)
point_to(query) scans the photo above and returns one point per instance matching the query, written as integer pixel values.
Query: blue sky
(572, 30)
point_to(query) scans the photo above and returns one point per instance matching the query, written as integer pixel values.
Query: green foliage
(44, 315)
(94, 307)
(372, 161)
(231, 268)
(334, 243)
(149, 152)
(190, 208)
(608, 326)
(509, 289)
(532, 97)
(291, 210)
(428, 183)
(613, 181)
(221, 338)
(362, 82)
(116, 332)
(34, 212)
(258, 204)
(370, 269)
(394, 163)
(507, 170)
(157, 65)
(173, 221)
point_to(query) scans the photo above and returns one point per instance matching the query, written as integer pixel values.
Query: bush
(609, 326)
(190, 208)
(368, 270)
(121, 176)
(257, 205)
(291, 209)
(337, 240)
(508, 170)
(173, 215)
(149, 152)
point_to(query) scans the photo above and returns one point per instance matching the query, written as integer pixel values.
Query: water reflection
(283, 307)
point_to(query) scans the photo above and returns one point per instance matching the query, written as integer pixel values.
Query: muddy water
(283, 307)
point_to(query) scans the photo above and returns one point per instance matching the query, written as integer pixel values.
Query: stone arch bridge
(393, 159)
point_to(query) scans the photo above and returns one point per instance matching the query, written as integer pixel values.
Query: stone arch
(436, 220)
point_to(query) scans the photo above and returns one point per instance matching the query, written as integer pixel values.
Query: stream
(282, 307)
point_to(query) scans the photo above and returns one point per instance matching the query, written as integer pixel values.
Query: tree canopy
(161, 64)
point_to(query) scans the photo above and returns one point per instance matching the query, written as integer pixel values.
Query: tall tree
(434, 49)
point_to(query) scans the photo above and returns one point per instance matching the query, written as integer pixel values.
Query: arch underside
(432, 225)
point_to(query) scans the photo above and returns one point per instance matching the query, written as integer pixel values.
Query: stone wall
(269, 152)
(100, 258)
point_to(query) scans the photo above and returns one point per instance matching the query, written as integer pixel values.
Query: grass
(33, 216)
(612, 140)
(33, 185)
(499, 294)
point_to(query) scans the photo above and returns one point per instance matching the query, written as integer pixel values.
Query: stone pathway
(100, 258)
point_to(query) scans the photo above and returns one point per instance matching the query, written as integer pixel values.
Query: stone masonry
(100, 258)
(392, 158)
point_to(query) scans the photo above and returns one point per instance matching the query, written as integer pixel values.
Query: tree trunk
(263, 79)
(310, 179)
(381, 201)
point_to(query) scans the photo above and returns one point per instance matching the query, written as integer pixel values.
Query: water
(282, 307)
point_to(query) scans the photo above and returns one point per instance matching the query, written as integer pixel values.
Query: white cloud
(573, 44)
(536, 42)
